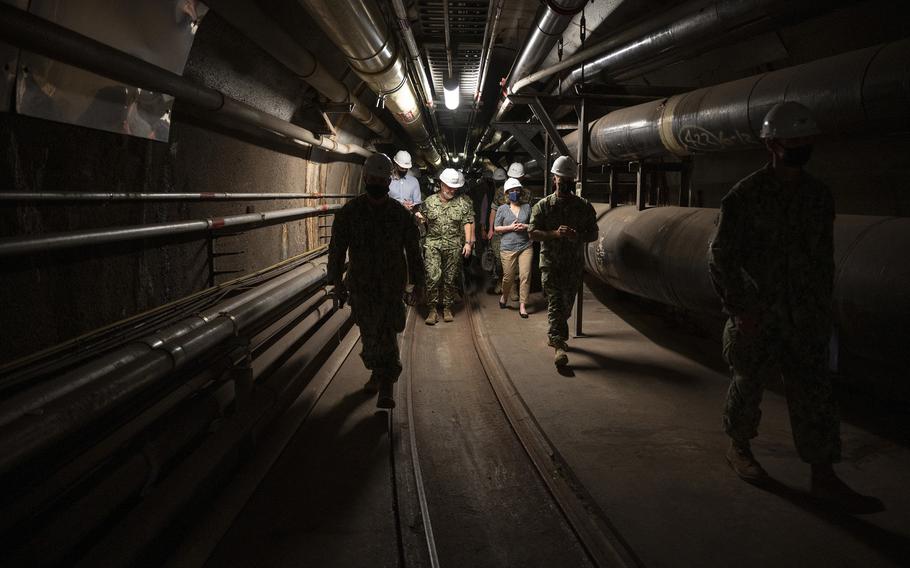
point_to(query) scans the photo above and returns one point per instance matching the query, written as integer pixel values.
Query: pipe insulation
(38, 35)
(359, 30)
(863, 90)
(266, 33)
(661, 254)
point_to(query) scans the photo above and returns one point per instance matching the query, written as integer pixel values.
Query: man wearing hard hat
(380, 239)
(404, 187)
(564, 223)
(449, 237)
(772, 264)
(516, 171)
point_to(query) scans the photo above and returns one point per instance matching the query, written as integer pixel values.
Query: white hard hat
(460, 178)
(499, 174)
(789, 120)
(512, 183)
(451, 178)
(377, 165)
(516, 170)
(564, 166)
(403, 159)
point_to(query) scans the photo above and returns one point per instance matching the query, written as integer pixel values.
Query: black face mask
(377, 191)
(797, 156)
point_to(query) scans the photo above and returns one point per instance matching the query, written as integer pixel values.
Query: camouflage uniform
(443, 245)
(562, 261)
(499, 198)
(772, 259)
(376, 238)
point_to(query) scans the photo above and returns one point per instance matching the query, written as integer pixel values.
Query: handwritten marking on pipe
(699, 138)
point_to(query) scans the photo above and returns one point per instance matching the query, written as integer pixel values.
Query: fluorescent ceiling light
(452, 96)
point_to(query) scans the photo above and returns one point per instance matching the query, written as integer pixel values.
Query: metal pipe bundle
(360, 31)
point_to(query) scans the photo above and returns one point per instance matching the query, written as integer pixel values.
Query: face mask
(377, 191)
(797, 156)
(513, 196)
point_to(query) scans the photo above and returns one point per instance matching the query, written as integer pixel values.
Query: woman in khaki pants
(515, 246)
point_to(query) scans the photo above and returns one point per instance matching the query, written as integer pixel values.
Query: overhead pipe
(359, 30)
(661, 254)
(38, 35)
(548, 28)
(72, 239)
(129, 196)
(863, 90)
(404, 25)
(489, 39)
(252, 22)
(703, 21)
(116, 378)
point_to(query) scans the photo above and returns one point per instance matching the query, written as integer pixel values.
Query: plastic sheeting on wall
(158, 31)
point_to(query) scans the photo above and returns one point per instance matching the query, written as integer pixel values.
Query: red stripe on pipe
(217, 223)
(207, 194)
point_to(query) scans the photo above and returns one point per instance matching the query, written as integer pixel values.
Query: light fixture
(452, 96)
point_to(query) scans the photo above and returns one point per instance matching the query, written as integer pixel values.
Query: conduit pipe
(548, 28)
(863, 90)
(90, 391)
(359, 30)
(404, 24)
(57, 241)
(267, 34)
(35, 34)
(204, 196)
(661, 254)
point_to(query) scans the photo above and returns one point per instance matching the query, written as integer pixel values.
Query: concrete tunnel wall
(53, 297)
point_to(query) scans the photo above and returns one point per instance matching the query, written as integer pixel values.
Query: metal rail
(13, 246)
(204, 196)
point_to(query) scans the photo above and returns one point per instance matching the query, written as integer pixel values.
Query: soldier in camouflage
(772, 264)
(379, 237)
(516, 170)
(449, 238)
(564, 223)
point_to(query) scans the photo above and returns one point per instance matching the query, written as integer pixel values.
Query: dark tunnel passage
(454, 283)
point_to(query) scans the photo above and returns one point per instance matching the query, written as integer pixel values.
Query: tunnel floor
(635, 416)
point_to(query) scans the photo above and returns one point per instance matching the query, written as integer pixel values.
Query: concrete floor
(637, 417)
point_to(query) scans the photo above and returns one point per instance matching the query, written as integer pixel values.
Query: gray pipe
(57, 241)
(360, 31)
(863, 90)
(49, 39)
(96, 387)
(404, 24)
(205, 196)
(548, 28)
(267, 34)
(661, 254)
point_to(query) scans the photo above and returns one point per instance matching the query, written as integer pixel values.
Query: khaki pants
(521, 259)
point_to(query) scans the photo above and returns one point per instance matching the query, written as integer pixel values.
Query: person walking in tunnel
(380, 239)
(449, 238)
(564, 223)
(404, 187)
(516, 251)
(772, 263)
(516, 171)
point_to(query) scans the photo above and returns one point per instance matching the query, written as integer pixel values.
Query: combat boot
(432, 317)
(386, 397)
(372, 385)
(740, 458)
(447, 314)
(561, 359)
